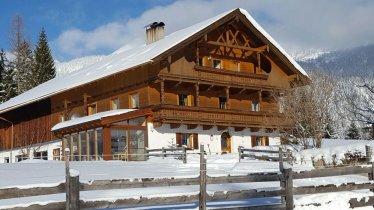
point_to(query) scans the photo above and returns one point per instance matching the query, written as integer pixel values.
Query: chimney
(154, 32)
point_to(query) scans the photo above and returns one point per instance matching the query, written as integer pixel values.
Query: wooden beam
(175, 125)
(253, 130)
(191, 126)
(157, 124)
(79, 147)
(207, 127)
(237, 129)
(257, 49)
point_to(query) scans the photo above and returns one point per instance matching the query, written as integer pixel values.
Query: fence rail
(265, 154)
(285, 177)
(164, 152)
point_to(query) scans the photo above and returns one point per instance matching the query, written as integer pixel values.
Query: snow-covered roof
(122, 60)
(90, 118)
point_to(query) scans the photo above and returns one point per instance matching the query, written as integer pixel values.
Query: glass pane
(91, 139)
(134, 101)
(100, 143)
(137, 145)
(118, 139)
(83, 146)
(75, 146)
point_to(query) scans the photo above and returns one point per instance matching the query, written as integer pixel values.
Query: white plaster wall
(211, 139)
(49, 146)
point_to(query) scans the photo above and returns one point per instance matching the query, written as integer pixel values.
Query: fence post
(163, 153)
(73, 190)
(67, 154)
(280, 159)
(289, 187)
(184, 155)
(240, 152)
(202, 195)
(369, 152)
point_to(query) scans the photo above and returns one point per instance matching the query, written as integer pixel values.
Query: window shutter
(179, 139)
(195, 141)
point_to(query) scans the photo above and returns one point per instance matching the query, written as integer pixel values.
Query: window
(91, 109)
(255, 106)
(217, 64)
(184, 100)
(114, 104)
(222, 102)
(56, 154)
(6, 160)
(188, 139)
(61, 117)
(259, 141)
(41, 155)
(134, 101)
(237, 66)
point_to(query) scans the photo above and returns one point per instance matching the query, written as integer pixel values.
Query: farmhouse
(216, 83)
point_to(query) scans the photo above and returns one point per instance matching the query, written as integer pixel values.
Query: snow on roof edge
(90, 118)
(272, 41)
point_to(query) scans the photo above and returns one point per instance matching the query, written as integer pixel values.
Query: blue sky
(77, 28)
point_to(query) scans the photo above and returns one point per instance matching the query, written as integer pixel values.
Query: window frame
(131, 97)
(222, 104)
(112, 103)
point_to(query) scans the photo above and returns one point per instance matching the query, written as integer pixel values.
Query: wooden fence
(285, 178)
(164, 152)
(270, 155)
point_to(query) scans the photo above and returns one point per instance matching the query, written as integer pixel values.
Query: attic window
(217, 64)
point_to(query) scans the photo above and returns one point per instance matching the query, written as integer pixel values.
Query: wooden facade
(227, 75)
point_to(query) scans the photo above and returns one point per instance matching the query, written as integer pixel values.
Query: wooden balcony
(218, 117)
(221, 77)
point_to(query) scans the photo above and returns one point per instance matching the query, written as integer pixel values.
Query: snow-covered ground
(33, 173)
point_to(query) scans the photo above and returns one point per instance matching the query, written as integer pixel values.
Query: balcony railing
(218, 117)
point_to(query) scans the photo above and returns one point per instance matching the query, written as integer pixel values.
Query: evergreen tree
(7, 83)
(44, 68)
(352, 132)
(24, 63)
(2, 72)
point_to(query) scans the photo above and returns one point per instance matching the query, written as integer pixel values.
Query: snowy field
(34, 173)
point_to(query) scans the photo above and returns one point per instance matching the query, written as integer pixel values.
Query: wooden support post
(73, 191)
(227, 91)
(184, 154)
(202, 195)
(88, 155)
(289, 187)
(79, 147)
(71, 147)
(163, 153)
(66, 156)
(162, 92)
(96, 145)
(197, 93)
(369, 152)
(64, 146)
(240, 152)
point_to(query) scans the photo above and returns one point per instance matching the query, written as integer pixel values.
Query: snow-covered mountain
(63, 68)
(357, 61)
